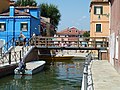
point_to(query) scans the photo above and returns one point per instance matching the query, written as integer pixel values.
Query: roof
(99, 1)
(24, 7)
(4, 4)
(71, 31)
(17, 13)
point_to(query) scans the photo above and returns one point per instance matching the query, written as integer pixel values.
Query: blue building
(19, 19)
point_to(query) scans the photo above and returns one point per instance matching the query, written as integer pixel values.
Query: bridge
(14, 50)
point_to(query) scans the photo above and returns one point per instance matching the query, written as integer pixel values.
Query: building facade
(19, 19)
(47, 29)
(115, 34)
(69, 36)
(99, 18)
(99, 23)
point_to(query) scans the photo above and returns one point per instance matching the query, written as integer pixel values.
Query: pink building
(70, 35)
(115, 34)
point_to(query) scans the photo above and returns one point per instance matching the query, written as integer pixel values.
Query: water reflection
(60, 75)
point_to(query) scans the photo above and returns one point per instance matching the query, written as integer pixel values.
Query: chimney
(12, 8)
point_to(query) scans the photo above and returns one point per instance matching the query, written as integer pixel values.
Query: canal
(59, 75)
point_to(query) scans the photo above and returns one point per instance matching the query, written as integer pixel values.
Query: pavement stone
(104, 75)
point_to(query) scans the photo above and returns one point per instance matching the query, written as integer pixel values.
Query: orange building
(99, 23)
(99, 18)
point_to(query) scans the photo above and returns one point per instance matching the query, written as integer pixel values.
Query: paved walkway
(105, 77)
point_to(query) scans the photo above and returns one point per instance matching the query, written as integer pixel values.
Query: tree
(86, 34)
(50, 11)
(26, 3)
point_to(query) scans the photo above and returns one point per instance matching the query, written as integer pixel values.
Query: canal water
(59, 75)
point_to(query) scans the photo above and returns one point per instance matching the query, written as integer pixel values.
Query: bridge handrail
(8, 56)
(79, 42)
(6, 47)
(28, 45)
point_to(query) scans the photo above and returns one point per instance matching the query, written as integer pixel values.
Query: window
(98, 10)
(98, 28)
(24, 26)
(26, 10)
(99, 44)
(2, 26)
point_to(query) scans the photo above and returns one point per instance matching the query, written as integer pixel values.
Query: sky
(74, 13)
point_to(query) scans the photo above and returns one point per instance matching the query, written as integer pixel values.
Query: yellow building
(99, 18)
(99, 24)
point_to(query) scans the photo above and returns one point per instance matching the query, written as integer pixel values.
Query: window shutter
(101, 10)
(94, 10)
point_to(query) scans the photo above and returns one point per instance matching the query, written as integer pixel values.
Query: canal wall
(7, 70)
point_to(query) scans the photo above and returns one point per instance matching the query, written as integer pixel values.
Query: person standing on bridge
(23, 37)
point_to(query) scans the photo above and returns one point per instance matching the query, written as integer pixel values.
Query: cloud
(82, 18)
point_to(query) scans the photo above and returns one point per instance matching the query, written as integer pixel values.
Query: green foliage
(86, 34)
(50, 11)
(26, 3)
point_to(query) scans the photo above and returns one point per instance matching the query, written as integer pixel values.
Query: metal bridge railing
(9, 55)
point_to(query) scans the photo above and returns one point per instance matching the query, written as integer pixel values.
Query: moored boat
(31, 68)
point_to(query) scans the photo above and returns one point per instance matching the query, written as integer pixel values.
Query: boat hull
(31, 68)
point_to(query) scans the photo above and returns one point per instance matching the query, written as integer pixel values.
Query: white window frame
(21, 28)
(1, 30)
(98, 6)
(95, 27)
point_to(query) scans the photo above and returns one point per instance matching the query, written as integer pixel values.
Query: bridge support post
(9, 57)
(20, 54)
(1, 52)
(99, 55)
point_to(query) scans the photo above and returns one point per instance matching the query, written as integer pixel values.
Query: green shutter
(101, 9)
(94, 10)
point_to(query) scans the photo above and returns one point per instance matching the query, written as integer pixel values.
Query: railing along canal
(87, 81)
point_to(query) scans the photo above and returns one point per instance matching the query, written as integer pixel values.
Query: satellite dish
(4, 5)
